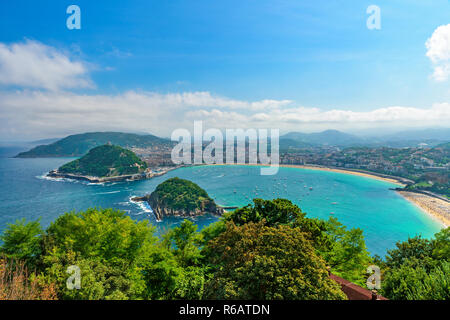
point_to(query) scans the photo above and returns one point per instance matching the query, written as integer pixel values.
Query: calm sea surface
(356, 201)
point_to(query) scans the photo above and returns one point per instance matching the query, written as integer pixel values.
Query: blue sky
(316, 54)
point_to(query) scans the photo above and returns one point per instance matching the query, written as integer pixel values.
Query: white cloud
(314, 119)
(438, 51)
(45, 109)
(39, 114)
(33, 64)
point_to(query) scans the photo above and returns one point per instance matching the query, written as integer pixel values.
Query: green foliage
(100, 280)
(105, 161)
(105, 234)
(343, 250)
(104, 243)
(415, 252)
(184, 242)
(274, 212)
(434, 286)
(160, 275)
(180, 194)
(419, 269)
(22, 241)
(254, 261)
(347, 253)
(441, 248)
(119, 258)
(270, 250)
(416, 283)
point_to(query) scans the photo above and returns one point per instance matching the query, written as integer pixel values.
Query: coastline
(434, 207)
(130, 177)
(350, 171)
(395, 180)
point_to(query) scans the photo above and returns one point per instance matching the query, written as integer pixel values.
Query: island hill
(179, 197)
(105, 163)
(79, 144)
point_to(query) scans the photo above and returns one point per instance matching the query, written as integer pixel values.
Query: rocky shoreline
(130, 177)
(160, 210)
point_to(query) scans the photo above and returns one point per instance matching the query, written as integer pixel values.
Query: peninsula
(104, 164)
(179, 197)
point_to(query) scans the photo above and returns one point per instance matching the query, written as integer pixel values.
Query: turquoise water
(384, 216)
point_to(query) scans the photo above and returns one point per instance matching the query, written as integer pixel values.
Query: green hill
(79, 144)
(178, 193)
(105, 161)
(179, 197)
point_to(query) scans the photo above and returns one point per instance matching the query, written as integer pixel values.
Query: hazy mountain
(411, 138)
(11, 148)
(441, 134)
(79, 144)
(328, 137)
(43, 141)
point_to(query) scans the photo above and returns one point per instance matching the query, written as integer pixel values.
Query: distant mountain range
(431, 137)
(79, 144)
(328, 137)
(426, 134)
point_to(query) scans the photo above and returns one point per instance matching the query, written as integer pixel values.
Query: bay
(384, 216)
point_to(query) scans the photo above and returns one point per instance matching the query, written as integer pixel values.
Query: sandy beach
(353, 172)
(437, 208)
(356, 173)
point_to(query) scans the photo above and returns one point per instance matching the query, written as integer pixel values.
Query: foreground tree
(419, 269)
(344, 250)
(254, 261)
(22, 241)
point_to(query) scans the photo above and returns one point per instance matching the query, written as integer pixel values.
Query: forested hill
(79, 144)
(178, 193)
(179, 197)
(105, 161)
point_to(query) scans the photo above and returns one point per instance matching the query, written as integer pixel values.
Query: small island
(105, 163)
(179, 197)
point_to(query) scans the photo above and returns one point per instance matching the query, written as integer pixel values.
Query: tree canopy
(268, 250)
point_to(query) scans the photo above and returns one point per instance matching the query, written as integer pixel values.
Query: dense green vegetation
(268, 250)
(79, 144)
(105, 161)
(418, 269)
(176, 193)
